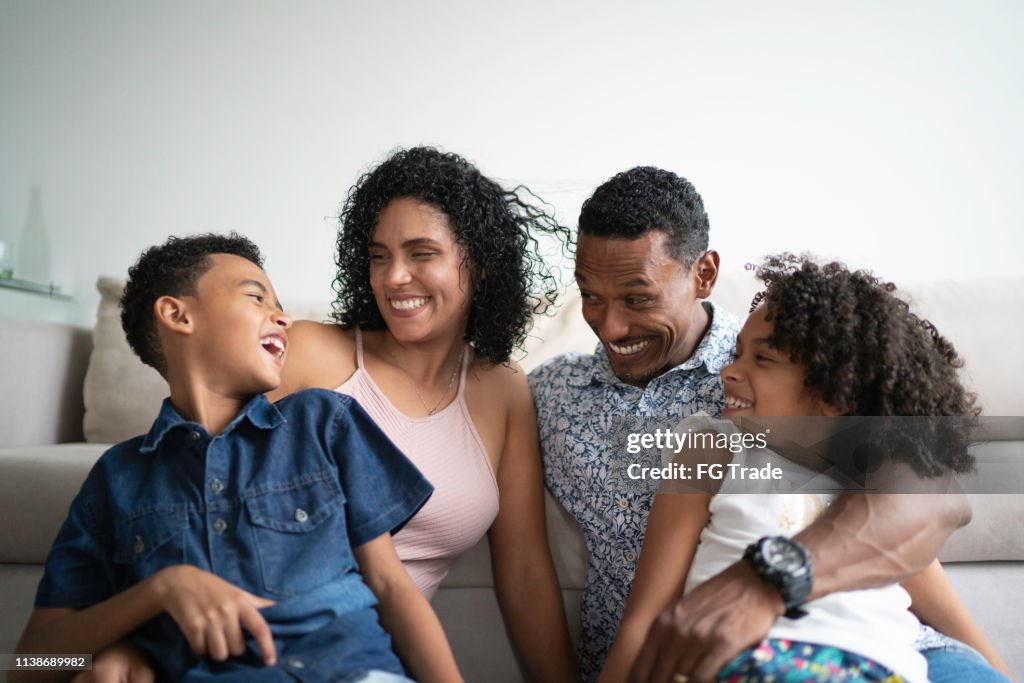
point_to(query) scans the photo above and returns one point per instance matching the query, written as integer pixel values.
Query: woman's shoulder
(312, 339)
(320, 355)
(499, 373)
(505, 380)
(312, 332)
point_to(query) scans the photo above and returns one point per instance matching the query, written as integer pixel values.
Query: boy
(233, 513)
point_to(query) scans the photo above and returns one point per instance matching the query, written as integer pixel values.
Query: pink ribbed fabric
(448, 451)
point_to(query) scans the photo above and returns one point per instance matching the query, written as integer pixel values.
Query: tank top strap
(359, 347)
(467, 351)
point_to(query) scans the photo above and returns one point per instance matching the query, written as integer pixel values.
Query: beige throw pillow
(122, 395)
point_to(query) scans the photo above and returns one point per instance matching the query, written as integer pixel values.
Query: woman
(439, 276)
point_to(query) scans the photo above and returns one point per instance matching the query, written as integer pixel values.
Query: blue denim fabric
(348, 649)
(274, 505)
(955, 662)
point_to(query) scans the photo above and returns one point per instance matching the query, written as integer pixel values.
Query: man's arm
(861, 541)
(871, 540)
(209, 610)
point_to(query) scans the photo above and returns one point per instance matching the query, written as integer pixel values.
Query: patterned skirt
(786, 661)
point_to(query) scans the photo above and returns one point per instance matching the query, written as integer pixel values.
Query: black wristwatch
(785, 564)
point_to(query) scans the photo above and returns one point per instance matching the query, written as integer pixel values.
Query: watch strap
(793, 583)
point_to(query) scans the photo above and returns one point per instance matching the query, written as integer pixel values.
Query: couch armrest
(37, 485)
(43, 366)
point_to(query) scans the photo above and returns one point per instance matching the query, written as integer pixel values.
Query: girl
(821, 341)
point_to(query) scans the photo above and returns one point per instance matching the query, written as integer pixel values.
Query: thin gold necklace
(412, 381)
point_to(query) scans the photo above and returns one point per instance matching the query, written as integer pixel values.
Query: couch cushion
(994, 593)
(42, 368)
(994, 531)
(36, 490)
(977, 317)
(568, 550)
(122, 396)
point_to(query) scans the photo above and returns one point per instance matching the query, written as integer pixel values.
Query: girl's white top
(875, 623)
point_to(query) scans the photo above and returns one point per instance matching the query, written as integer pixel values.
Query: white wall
(886, 133)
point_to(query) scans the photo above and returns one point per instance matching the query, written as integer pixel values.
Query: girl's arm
(935, 602)
(405, 614)
(524, 574)
(673, 530)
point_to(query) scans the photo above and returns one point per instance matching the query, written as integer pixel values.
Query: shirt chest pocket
(151, 541)
(298, 531)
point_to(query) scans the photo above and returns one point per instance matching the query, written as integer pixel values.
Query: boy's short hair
(645, 198)
(171, 269)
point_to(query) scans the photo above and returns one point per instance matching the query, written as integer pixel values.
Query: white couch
(55, 374)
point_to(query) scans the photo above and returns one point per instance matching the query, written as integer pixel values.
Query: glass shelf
(50, 290)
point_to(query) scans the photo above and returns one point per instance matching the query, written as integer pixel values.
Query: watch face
(781, 554)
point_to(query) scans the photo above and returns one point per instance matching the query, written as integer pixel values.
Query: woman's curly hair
(496, 228)
(865, 351)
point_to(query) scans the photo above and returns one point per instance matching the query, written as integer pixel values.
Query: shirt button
(220, 526)
(623, 503)
(139, 546)
(301, 515)
(631, 556)
(216, 486)
(194, 435)
(295, 663)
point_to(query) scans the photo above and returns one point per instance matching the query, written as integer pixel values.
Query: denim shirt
(274, 505)
(579, 401)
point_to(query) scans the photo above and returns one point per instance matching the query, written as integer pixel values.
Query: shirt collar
(716, 347)
(709, 352)
(259, 411)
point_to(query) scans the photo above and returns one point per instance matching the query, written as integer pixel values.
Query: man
(645, 273)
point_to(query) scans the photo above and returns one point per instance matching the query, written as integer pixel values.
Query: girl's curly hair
(865, 351)
(496, 228)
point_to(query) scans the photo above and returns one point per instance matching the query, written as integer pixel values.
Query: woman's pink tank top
(448, 451)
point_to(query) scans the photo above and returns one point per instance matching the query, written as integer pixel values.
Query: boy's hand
(211, 612)
(119, 663)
